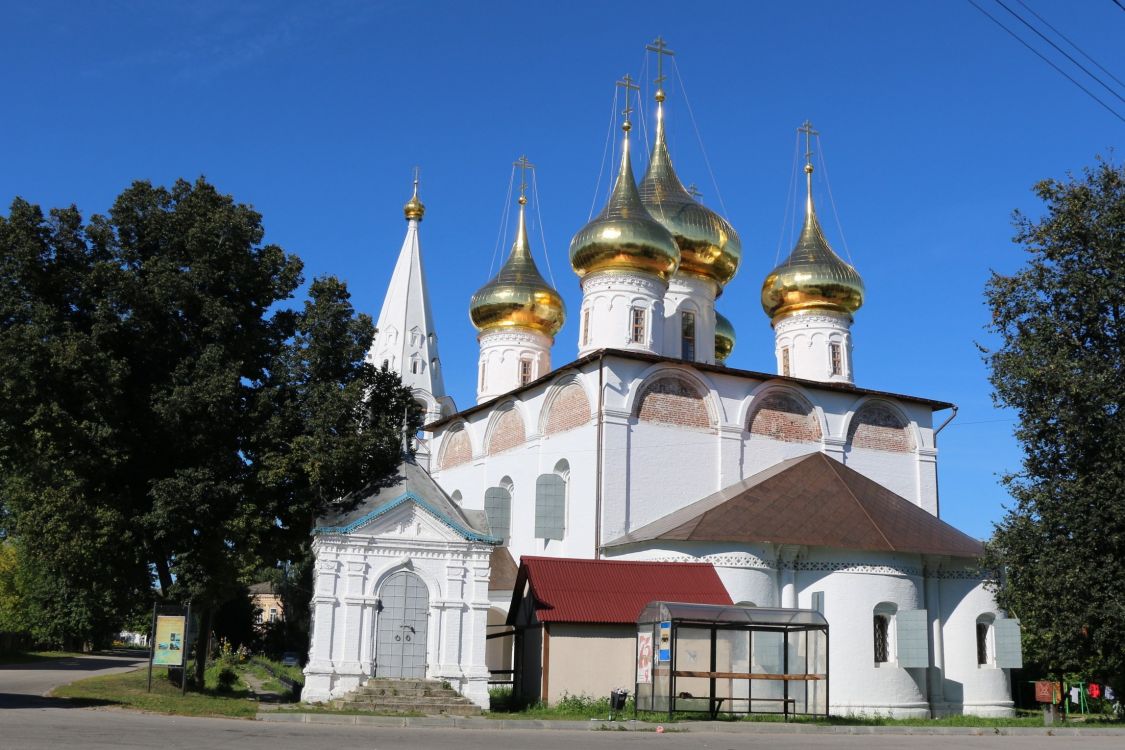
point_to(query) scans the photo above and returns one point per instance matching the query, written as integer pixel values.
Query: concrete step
(449, 709)
(407, 696)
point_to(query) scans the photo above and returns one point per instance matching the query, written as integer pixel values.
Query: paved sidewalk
(712, 727)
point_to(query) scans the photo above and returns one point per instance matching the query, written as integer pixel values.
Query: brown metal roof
(646, 357)
(810, 500)
(610, 591)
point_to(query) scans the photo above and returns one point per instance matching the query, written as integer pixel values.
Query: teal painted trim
(472, 536)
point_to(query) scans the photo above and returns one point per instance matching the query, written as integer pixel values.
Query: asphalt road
(29, 721)
(24, 685)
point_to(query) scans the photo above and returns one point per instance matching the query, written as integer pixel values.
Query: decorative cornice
(615, 281)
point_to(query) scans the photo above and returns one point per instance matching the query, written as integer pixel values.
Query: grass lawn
(129, 690)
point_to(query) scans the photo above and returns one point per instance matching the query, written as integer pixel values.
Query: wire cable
(605, 152)
(1059, 49)
(711, 172)
(1044, 58)
(503, 222)
(790, 200)
(542, 234)
(1047, 23)
(831, 200)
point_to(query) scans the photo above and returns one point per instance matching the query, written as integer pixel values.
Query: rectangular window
(585, 327)
(687, 336)
(525, 371)
(785, 361)
(637, 335)
(550, 507)
(837, 359)
(273, 615)
(882, 623)
(982, 643)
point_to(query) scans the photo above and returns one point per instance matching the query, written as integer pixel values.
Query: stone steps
(388, 696)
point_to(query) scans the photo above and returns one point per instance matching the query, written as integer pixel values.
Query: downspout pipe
(598, 480)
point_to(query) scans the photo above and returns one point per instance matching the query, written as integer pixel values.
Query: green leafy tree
(162, 414)
(1061, 366)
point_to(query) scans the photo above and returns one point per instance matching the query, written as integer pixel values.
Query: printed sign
(1047, 691)
(644, 658)
(665, 653)
(169, 639)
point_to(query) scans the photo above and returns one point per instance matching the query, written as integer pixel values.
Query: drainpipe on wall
(598, 488)
(937, 493)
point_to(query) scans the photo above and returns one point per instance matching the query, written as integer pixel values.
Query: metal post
(827, 673)
(671, 668)
(187, 651)
(151, 646)
(785, 671)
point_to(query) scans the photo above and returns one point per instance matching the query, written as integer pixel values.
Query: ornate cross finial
(417, 175)
(693, 191)
(660, 47)
(523, 165)
(807, 129)
(626, 83)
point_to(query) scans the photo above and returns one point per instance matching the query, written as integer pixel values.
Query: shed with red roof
(575, 620)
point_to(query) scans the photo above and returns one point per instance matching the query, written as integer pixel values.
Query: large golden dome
(518, 296)
(624, 237)
(709, 246)
(813, 278)
(724, 337)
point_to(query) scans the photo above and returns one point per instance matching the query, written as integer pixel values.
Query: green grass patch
(129, 690)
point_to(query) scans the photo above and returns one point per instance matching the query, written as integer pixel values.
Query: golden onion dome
(813, 278)
(414, 209)
(624, 236)
(709, 246)
(518, 296)
(724, 337)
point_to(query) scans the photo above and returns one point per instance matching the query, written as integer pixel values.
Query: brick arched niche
(507, 432)
(569, 408)
(673, 400)
(456, 449)
(879, 427)
(784, 416)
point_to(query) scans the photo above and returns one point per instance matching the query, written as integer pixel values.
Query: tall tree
(1061, 366)
(161, 411)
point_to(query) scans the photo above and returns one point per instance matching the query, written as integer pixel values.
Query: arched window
(498, 511)
(986, 651)
(883, 632)
(550, 503)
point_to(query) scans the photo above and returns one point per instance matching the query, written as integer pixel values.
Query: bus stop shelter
(730, 659)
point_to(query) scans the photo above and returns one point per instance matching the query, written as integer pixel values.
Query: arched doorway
(400, 641)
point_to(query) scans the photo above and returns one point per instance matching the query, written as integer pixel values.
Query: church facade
(802, 489)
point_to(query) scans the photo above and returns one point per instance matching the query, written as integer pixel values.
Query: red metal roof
(611, 591)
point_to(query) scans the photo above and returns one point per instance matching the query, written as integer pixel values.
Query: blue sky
(935, 124)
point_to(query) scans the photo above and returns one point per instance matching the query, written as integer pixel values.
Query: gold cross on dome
(523, 164)
(807, 129)
(693, 191)
(626, 83)
(660, 47)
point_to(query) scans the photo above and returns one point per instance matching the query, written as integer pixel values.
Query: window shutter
(498, 510)
(1009, 655)
(550, 507)
(913, 645)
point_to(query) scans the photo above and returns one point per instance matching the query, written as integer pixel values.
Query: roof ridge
(858, 502)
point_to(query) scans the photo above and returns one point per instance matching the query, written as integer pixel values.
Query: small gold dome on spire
(813, 278)
(709, 246)
(624, 236)
(414, 209)
(518, 296)
(724, 338)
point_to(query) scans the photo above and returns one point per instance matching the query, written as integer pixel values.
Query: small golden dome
(518, 296)
(724, 338)
(624, 236)
(709, 246)
(813, 278)
(414, 209)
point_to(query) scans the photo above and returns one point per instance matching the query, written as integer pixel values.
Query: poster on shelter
(666, 641)
(169, 640)
(644, 658)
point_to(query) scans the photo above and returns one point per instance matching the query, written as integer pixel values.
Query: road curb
(723, 727)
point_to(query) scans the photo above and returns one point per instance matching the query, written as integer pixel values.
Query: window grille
(687, 336)
(982, 643)
(498, 511)
(638, 332)
(882, 626)
(785, 361)
(837, 359)
(585, 327)
(525, 371)
(550, 507)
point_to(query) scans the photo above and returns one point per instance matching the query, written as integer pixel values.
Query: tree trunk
(203, 645)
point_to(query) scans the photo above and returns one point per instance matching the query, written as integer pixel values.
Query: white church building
(801, 488)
